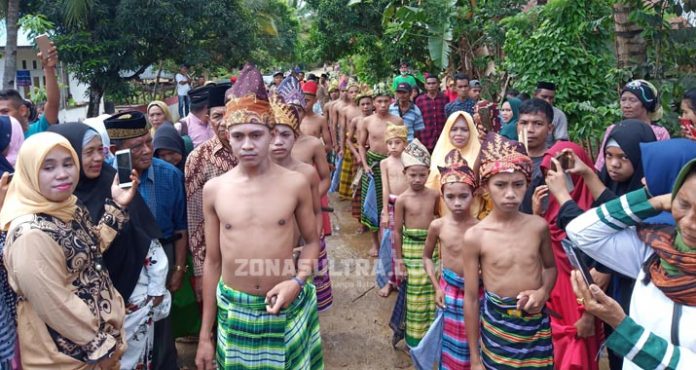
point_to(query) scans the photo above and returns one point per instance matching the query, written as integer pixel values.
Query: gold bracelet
(183, 268)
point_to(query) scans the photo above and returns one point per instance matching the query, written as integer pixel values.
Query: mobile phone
(44, 43)
(578, 263)
(485, 115)
(687, 127)
(124, 168)
(566, 161)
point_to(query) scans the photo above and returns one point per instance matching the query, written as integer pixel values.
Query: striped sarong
(373, 160)
(455, 344)
(420, 294)
(250, 338)
(347, 172)
(322, 280)
(513, 339)
(356, 203)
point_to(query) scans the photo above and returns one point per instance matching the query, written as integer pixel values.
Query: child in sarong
(413, 212)
(458, 185)
(517, 266)
(393, 184)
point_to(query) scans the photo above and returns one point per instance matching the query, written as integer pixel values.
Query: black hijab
(126, 256)
(628, 134)
(168, 138)
(5, 137)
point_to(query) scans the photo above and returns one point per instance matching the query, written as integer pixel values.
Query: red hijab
(580, 194)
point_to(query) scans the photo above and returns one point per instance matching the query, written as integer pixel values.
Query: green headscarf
(509, 129)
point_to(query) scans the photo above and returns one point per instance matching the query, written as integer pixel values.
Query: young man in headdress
(547, 91)
(518, 273)
(211, 159)
(270, 317)
(371, 134)
(413, 212)
(314, 124)
(364, 101)
(348, 113)
(458, 183)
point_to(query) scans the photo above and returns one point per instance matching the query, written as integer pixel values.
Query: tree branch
(136, 74)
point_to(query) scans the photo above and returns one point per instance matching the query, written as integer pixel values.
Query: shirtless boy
(514, 252)
(414, 211)
(393, 184)
(371, 134)
(255, 276)
(364, 100)
(286, 106)
(312, 123)
(458, 183)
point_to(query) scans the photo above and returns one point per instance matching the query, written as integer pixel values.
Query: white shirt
(182, 90)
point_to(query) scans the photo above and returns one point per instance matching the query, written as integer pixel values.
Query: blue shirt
(457, 105)
(40, 125)
(162, 188)
(413, 118)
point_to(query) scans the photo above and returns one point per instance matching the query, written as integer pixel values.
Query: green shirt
(407, 78)
(40, 125)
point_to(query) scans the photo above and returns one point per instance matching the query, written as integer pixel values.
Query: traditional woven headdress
(363, 92)
(333, 86)
(381, 89)
(456, 170)
(249, 101)
(287, 102)
(394, 131)
(415, 154)
(499, 154)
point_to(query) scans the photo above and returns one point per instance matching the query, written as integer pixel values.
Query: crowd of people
(509, 247)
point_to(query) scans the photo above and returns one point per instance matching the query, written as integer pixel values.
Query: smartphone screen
(124, 167)
(576, 262)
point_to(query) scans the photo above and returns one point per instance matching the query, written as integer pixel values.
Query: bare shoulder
(307, 170)
(537, 223)
(433, 193)
(435, 226)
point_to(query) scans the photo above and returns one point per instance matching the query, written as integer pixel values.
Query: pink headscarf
(16, 141)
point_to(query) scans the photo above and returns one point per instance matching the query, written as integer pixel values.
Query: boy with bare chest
(255, 276)
(314, 124)
(413, 213)
(458, 183)
(517, 265)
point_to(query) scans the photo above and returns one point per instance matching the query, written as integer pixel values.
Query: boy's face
(366, 106)
(507, 190)
(457, 197)
(282, 142)
(395, 146)
(382, 104)
(417, 176)
(250, 142)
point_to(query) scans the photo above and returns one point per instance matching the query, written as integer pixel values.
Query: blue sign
(23, 78)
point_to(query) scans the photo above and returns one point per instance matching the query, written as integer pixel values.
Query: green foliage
(563, 42)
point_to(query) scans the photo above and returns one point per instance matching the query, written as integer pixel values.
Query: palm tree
(10, 8)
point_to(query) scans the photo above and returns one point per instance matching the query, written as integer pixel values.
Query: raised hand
(123, 197)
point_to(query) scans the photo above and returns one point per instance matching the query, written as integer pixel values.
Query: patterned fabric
(434, 117)
(386, 270)
(356, 203)
(249, 100)
(455, 344)
(413, 118)
(73, 278)
(415, 154)
(286, 103)
(162, 188)
(456, 170)
(322, 280)
(393, 131)
(420, 294)
(397, 322)
(209, 160)
(499, 154)
(513, 339)
(459, 105)
(8, 313)
(373, 160)
(347, 173)
(250, 338)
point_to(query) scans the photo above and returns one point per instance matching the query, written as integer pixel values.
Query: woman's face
(93, 158)
(169, 156)
(684, 211)
(58, 175)
(632, 108)
(506, 112)
(619, 167)
(155, 116)
(459, 135)
(687, 111)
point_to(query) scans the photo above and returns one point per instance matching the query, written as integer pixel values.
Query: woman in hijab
(459, 133)
(158, 114)
(640, 103)
(70, 315)
(169, 146)
(659, 331)
(510, 113)
(16, 139)
(8, 300)
(141, 285)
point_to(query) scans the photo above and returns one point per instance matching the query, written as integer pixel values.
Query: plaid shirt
(457, 105)
(210, 159)
(413, 118)
(433, 111)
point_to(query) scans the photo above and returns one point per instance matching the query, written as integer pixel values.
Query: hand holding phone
(124, 168)
(578, 263)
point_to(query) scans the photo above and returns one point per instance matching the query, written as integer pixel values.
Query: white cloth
(182, 89)
(139, 323)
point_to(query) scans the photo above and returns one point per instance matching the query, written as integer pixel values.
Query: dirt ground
(355, 331)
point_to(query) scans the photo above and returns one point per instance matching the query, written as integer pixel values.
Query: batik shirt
(69, 315)
(209, 160)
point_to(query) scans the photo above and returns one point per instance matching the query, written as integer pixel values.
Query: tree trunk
(631, 49)
(95, 94)
(11, 46)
